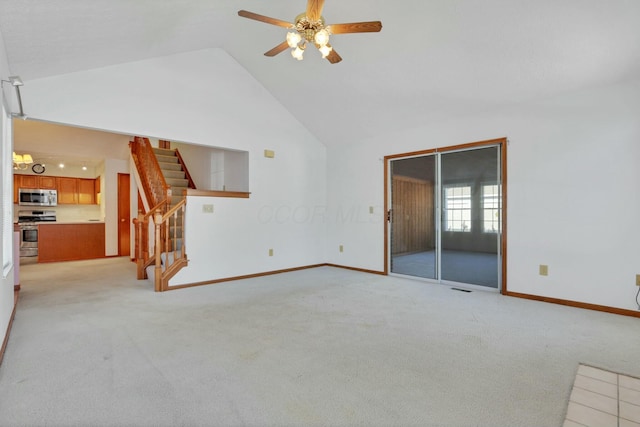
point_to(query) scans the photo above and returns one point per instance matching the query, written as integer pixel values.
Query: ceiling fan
(309, 27)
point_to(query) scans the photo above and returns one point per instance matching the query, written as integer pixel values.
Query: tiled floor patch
(602, 398)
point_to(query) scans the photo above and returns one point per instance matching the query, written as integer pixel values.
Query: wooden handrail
(171, 211)
(187, 175)
(156, 169)
(153, 181)
(160, 207)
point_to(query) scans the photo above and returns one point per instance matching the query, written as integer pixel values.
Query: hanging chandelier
(21, 161)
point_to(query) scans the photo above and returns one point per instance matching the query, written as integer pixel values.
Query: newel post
(137, 227)
(157, 219)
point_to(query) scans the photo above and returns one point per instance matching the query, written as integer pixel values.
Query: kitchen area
(67, 193)
(46, 236)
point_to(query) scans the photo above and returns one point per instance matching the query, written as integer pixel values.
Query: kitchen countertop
(72, 222)
(86, 221)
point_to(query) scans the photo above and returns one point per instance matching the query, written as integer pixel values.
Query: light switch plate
(270, 154)
(544, 270)
(207, 208)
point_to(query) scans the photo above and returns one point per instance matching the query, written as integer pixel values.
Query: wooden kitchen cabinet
(86, 191)
(67, 190)
(26, 181)
(71, 191)
(35, 181)
(47, 182)
(32, 181)
(68, 242)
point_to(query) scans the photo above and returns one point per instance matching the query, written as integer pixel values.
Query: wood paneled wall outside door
(413, 229)
(124, 215)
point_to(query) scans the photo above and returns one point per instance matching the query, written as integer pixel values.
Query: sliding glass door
(413, 213)
(445, 219)
(470, 221)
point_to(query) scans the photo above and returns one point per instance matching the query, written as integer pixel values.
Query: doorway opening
(446, 214)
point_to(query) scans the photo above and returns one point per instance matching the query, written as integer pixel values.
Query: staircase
(163, 178)
(173, 172)
(177, 179)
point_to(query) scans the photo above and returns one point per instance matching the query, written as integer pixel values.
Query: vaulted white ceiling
(433, 59)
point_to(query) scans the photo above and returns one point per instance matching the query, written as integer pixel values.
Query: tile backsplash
(68, 213)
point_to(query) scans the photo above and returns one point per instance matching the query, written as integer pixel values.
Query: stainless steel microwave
(35, 197)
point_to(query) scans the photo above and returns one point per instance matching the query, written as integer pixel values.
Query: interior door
(124, 215)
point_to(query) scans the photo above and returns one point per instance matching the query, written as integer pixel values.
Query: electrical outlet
(207, 208)
(341, 248)
(637, 279)
(270, 252)
(544, 270)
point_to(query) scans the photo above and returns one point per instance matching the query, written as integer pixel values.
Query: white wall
(573, 199)
(236, 164)
(572, 191)
(215, 168)
(6, 283)
(206, 98)
(199, 160)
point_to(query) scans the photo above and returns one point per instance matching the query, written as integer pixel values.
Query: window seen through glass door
(491, 208)
(458, 208)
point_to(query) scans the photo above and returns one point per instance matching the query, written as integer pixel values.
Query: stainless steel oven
(28, 240)
(28, 223)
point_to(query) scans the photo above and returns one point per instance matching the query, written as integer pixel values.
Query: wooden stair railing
(159, 234)
(168, 254)
(169, 243)
(186, 171)
(143, 250)
(154, 185)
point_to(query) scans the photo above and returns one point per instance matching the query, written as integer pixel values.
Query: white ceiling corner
(433, 59)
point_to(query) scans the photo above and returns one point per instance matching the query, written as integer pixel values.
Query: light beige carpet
(321, 347)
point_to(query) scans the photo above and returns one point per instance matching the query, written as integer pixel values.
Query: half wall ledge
(216, 193)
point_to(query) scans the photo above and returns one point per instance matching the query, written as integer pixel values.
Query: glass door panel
(413, 217)
(470, 220)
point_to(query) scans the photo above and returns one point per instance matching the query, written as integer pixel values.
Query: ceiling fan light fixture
(298, 53)
(293, 38)
(325, 50)
(321, 37)
(310, 27)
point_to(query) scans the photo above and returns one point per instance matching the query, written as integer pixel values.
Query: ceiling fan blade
(314, 9)
(278, 49)
(356, 27)
(262, 18)
(333, 57)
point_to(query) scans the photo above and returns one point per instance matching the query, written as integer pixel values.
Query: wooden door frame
(500, 142)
